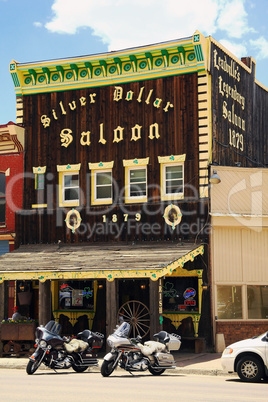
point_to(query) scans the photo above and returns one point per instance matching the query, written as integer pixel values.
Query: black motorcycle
(59, 352)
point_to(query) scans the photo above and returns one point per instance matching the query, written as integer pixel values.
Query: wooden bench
(199, 343)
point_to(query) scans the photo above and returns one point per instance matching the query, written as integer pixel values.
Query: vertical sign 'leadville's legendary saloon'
(235, 134)
(231, 101)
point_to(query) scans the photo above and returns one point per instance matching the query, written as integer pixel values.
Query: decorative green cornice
(160, 60)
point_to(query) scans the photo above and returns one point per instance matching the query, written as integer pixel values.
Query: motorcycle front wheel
(32, 366)
(156, 371)
(107, 367)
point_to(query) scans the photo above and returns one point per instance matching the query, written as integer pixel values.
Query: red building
(11, 187)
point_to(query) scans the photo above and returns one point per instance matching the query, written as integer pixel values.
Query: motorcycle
(59, 352)
(132, 355)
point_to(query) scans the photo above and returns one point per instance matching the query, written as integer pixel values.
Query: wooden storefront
(117, 148)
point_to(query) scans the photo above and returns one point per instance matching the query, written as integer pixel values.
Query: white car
(249, 358)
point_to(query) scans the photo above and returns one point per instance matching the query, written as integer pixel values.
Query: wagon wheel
(137, 315)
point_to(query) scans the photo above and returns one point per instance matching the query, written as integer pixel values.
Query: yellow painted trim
(55, 294)
(67, 203)
(179, 215)
(93, 183)
(176, 319)
(78, 220)
(39, 169)
(172, 158)
(110, 275)
(21, 72)
(69, 168)
(74, 315)
(135, 162)
(39, 206)
(134, 200)
(6, 237)
(205, 132)
(171, 197)
(101, 165)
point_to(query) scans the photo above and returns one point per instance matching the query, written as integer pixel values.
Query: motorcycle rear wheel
(156, 371)
(32, 366)
(79, 369)
(107, 367)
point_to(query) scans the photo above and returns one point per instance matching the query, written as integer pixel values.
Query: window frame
(244, 301)
(107, 200)
(95, 168)
(38, 171)
(64, 188)
(63, 171)
(38, 181)
(130, 165)
(168, 161)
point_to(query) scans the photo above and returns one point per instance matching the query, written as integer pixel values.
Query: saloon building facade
(119, 148)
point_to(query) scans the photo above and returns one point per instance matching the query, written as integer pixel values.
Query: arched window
(2, 197)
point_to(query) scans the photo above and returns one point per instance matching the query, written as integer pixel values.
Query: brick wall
(239, 330)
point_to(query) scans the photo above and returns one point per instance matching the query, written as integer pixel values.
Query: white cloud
(261, 45)
(129, 23)
(238, 49)
(38, 24)
(233, 18)
(126, 23)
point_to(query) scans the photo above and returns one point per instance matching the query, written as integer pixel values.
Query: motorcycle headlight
(110, 343)
(43, 344)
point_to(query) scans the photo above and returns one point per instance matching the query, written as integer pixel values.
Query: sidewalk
(187, 363)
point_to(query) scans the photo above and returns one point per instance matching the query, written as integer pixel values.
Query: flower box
(18, 331)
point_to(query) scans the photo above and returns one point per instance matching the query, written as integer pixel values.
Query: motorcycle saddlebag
(165, 359)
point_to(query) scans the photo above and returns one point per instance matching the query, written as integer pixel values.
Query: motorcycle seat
(162, 337)
(84, 335)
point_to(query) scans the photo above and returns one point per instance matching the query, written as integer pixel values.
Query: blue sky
(33, 30)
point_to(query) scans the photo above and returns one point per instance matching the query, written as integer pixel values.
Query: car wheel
(250, 369)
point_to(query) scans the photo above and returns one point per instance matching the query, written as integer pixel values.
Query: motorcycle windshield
(123, 330)
(54, 327)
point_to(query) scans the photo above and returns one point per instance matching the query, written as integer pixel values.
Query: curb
(182, 370)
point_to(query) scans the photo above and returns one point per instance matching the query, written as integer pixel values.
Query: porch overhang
(51, 262)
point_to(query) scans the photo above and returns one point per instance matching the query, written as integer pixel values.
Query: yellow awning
(146, 260)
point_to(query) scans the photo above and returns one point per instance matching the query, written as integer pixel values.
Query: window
(173, 179)
(103, 189)
(257, 302)
(39, 174)
(181, 294)
(101, 182)
(172, 176)
(76, 295)
(39, 185)
(229, 302)
(2, 198)
(40, 181)
(136, 180)
(69, 189)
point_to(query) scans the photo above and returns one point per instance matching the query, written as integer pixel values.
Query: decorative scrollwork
(73, 220)
(172, 215)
